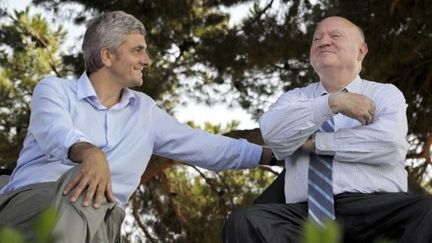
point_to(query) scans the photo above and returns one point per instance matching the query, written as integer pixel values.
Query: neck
(336, 81)
(108, 93)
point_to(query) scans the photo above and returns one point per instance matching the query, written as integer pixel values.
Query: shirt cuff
(321, 109)
(65, 152)
(251, 156)
(323, 142)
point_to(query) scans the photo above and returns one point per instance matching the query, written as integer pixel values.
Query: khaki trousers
(75, 222)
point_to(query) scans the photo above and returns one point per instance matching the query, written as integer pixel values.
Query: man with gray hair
(90, 139)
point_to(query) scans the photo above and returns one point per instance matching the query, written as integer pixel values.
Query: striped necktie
(320, 184)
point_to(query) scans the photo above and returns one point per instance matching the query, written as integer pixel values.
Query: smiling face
(127, 62)
(337, 45)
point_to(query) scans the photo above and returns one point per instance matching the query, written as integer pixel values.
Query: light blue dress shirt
(65, 112)
(367, 159)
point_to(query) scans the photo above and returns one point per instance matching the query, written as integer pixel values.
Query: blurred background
(217, 65)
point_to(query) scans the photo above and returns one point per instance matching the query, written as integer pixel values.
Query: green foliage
(313, 233)
(28, 52)
(331, 233)
(198, 54)
(216, 129)
(42, 229)
(44, 226)
(268, 51)
(172, 205)
(10, 235)
(184, 197)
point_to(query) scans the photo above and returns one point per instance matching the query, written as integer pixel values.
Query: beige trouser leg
(85, 224)
(3, 180)
(75, 223)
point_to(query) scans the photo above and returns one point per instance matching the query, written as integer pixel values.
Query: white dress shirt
(367, 158)
(65, 112)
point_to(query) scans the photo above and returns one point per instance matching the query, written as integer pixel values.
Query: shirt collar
(127, 97)
(353, 87)
(85, 90)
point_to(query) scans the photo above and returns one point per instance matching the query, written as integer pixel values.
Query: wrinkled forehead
(332, 24)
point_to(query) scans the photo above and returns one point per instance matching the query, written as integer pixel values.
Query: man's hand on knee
(94, 175)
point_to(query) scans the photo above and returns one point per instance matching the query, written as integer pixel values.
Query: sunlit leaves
(29, 50)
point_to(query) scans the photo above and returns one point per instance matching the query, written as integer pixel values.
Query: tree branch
(167, 186)
(137, 218)
(260, 13)
(426, 149)
(269, 169)
(208, 181)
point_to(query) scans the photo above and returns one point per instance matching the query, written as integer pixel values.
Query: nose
(145, 60)
(325, 40)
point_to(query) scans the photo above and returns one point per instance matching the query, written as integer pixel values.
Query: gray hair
(108, 30)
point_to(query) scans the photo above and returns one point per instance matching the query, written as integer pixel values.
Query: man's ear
(363, 50)
(106, 56)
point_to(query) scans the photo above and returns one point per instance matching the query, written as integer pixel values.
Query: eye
(139, 50)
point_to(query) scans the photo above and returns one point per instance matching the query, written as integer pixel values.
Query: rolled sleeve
(324, 142)
(383, 142)
(321, 109)
(292, 119)
(250, 154)
(194, 146)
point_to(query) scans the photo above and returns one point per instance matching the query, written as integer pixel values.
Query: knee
(237, 216)
(421, 211)
(425, 205)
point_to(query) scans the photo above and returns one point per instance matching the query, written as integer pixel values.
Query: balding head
(338, 48)
(349, 23)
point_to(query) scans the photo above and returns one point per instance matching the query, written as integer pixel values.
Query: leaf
(44, 225)
(9, 235)
(313, 233)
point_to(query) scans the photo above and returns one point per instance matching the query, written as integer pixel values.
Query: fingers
(356, 106)
(369, 113)
(90, 193)
(79, 189)
(372, 108)
(359, 107)
(94, 187)
(96, 190)
(309, 145)
(109, 193)
(367, 119)
(100, 194)
(93, 183)
(72, 183)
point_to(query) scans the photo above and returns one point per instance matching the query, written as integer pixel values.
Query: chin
(135, 83)
(326, 63)
(138, 82)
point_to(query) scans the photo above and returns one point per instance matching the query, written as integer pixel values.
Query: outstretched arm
(214, 152)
